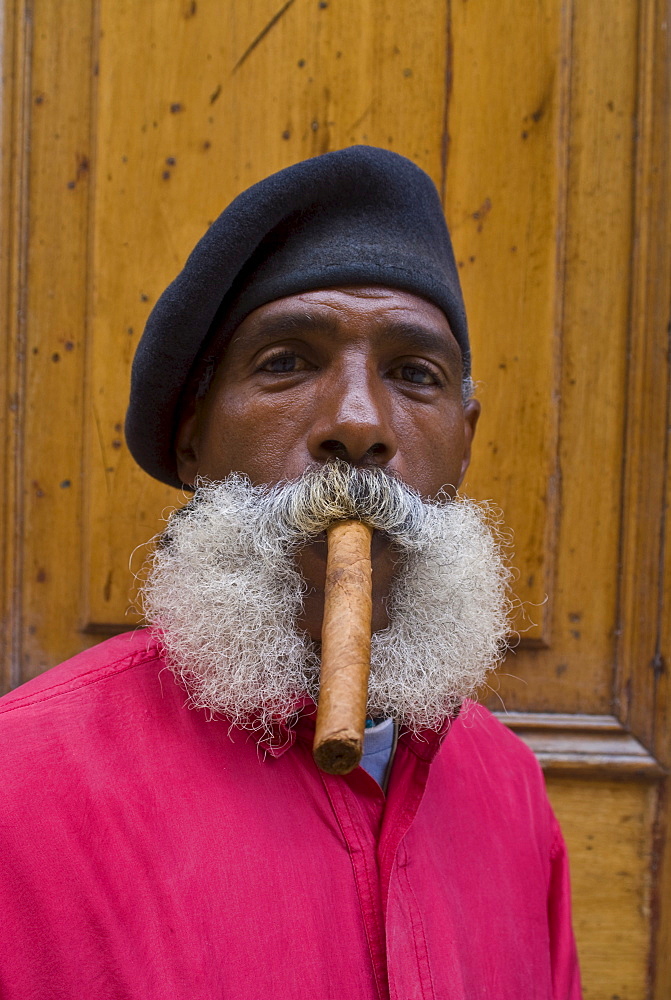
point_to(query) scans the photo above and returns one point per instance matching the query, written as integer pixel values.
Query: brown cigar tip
(338, 754)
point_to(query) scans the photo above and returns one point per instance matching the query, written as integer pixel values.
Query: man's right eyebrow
(289, 325)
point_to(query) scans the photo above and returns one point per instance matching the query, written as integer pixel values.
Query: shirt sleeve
(563, 954)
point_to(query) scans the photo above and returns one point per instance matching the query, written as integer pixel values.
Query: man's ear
(186, 443)
(471, 416)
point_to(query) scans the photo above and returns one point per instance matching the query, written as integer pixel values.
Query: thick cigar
(346, 631)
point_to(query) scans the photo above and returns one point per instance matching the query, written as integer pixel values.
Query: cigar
(346, 632)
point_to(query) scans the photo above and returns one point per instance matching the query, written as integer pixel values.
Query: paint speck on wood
(481, 213)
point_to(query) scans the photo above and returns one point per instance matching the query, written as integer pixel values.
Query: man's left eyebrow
(425, 339)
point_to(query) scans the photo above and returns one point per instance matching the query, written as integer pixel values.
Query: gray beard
(223, 592)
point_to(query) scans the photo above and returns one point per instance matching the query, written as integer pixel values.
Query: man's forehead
(386, 311)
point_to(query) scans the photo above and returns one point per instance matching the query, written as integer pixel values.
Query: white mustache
(302, 509)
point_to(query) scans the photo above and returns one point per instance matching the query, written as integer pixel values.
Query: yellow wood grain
(51, 201)
(660, 966)
(594, 351)
(550, 331)
(503, 200)
(608, 832)
(661, 924)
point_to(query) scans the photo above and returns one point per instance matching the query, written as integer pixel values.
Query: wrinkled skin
(370, 375)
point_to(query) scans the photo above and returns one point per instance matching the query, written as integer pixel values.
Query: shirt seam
(82, 681)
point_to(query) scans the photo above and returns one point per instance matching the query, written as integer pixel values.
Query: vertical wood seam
(18, 218)
(659, 664)
(447, 94)
(621, 707)
(659, 968)
(553, 523)
(632, 663)
(87, 400)
(7, 420)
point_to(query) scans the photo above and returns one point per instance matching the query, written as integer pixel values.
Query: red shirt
(146, 852)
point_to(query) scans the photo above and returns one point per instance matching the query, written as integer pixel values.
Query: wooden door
(128, 125)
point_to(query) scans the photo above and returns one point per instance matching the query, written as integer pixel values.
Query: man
(310, 363)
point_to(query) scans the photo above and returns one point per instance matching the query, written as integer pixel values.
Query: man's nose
(354, 423)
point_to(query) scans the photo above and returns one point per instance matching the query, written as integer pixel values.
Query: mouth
(311, 562)
(318, 548)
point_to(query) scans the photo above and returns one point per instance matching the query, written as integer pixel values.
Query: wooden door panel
(550, 329)
(503, 212)
(609, 837)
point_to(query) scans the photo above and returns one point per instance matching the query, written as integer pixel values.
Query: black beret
(358, 216)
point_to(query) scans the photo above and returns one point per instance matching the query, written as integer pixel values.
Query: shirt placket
(358, 804)
(406, 790)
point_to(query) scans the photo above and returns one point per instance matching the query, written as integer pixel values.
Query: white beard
(224, 594)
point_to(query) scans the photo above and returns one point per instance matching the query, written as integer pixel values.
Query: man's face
(369, 375)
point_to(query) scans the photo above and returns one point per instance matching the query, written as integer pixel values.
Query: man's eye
(417, 374)
(286, 362)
